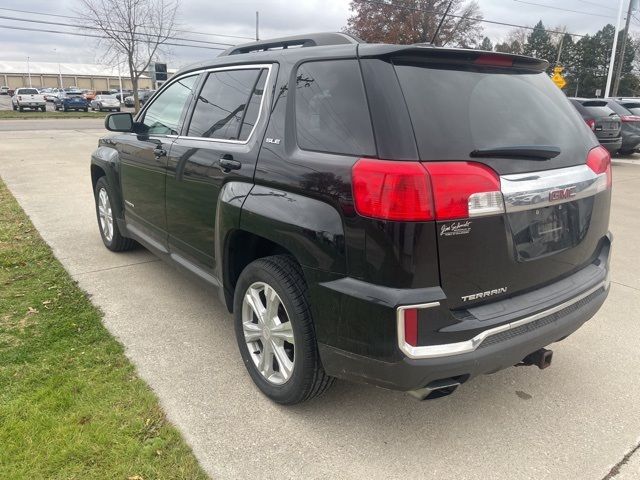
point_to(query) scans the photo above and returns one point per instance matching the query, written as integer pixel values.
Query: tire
(65, 109)
(625, 152)
(307, 379)
(117, 109)
(111, 236)
(44, 108)
(21, 109)
(15, 107)
(85, 109)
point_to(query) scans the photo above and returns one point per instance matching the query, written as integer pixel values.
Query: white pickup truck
(28, 98)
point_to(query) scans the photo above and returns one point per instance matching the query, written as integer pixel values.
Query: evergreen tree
(539, 44)
(486, 45)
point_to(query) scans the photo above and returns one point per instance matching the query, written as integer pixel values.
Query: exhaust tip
(540, 358)
(438, 388)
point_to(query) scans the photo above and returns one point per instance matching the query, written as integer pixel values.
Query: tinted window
(163, 115)
(221, 104)
(616, 107)
(331, 110)
(598, 108)
(28, 91)
(455, 111)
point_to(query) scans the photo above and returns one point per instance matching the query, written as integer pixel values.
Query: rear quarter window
(457, 110)
(331, 108)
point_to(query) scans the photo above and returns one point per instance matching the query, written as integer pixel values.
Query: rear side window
(457, 110)
(226, 100)
(632, 107)
(331, 109)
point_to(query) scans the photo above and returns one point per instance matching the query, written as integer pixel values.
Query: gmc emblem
(562, 194)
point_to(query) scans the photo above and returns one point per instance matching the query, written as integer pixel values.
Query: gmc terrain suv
(401, 215)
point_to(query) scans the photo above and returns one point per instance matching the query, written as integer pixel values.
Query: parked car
(630, 123)
(379, 213)
(4, 90)
(28, 98)
(105, 102)
(143, 96)
(122, 95)
(70, 101)
(51, 95)
(604, 122)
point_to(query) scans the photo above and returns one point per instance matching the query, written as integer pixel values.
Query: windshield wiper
(530, 152)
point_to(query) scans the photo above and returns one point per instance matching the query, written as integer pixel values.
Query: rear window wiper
(532, 152)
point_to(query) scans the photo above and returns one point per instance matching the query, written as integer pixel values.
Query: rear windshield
(632, 107)
(28, 91)
(455, 111)
(598, 108)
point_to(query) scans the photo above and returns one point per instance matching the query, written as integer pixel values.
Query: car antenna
(435, 35)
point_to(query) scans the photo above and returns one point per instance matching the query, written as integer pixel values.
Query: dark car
(630, 122)
(122, 95)
(379, 213)
(604, 122)
(143, 96)
(70, 101)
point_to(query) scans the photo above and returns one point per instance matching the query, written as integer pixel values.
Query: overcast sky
(277, 18)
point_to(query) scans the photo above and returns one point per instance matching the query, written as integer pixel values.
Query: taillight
(464, 189)
(391, 190)
(630, 118)
(599, 161)
(413, 191)
(592, 124)
(411, 326)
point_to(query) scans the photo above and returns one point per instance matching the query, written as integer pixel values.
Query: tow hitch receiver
(540, 358)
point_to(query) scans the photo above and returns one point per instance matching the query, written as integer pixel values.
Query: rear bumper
(498, 346)
(413, 374)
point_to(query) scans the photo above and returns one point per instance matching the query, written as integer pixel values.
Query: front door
(219, 145)
(143, 159)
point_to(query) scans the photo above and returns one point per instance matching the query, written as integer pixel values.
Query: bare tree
(132, 29)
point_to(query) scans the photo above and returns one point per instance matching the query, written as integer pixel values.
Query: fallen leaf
(32, 311)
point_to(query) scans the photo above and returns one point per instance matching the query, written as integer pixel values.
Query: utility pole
(616, 83)
(29, 71)
(560, 48)
(257, 25)
(613, 51)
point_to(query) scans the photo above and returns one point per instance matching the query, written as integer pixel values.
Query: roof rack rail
(310, 40)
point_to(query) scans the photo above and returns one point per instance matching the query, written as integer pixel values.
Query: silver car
(105, 102)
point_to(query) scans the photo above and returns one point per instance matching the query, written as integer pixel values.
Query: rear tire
(21, 109)
(278, 280)
(107, 224)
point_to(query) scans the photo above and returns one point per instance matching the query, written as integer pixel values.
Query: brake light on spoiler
(414, 191)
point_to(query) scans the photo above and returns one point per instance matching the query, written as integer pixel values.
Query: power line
(476, 19)
(564, 9)
(78, 34)
(76, 18)
(111, 30)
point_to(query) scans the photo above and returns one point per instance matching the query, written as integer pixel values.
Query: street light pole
(29, 71)
(613, 51)
(616, 82)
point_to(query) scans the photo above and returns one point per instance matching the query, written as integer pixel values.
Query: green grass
(71, 405)
(31, 115)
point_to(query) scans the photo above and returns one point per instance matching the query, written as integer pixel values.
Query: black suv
(404, 216)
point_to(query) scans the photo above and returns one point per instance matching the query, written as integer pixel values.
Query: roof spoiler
(311, 40)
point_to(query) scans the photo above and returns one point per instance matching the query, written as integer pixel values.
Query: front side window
(332, 114)
(227, 100)
(163, 115)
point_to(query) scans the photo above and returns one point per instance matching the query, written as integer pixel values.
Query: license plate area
(547, 230)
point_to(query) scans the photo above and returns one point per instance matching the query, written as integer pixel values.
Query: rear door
(143, 159)
(521, 126)
(219, 144)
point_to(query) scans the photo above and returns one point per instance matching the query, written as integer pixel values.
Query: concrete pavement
(575, 420)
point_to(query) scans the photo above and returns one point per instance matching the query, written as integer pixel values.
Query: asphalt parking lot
(578, 419)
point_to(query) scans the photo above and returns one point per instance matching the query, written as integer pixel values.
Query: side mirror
(119, 122)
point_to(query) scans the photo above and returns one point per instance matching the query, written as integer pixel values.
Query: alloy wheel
(105, 214)
(268, 333)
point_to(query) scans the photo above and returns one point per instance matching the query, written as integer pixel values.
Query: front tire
(109, 231)
(275, 331)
